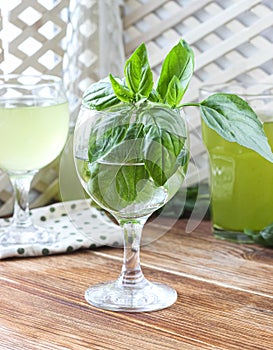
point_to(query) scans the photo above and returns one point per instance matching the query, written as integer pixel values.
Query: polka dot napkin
(78, 224)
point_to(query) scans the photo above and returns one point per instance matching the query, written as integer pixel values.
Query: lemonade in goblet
(34, 121)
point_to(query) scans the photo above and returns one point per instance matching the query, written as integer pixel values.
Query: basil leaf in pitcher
(233, 119)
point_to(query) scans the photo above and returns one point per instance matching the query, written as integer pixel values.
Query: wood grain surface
(225, 297)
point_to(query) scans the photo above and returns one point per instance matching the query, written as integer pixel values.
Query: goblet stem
(131, 292)
(131, 273)
(22, 230)
(21, 184)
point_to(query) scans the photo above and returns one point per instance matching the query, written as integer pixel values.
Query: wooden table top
(225, 297)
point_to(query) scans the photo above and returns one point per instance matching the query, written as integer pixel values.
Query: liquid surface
(241, 183)
(31, 136)
(122, 197)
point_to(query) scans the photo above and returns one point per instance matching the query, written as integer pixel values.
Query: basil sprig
(227, 114)
(176, 72)
(232, 118)
(263, 237)
(151, 138)
(137, 84)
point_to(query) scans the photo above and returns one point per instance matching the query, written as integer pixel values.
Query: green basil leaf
(102, 186)
(233, 119)
(127, 180)
(164, 142)
(180, 63)
(267, 234)
(116, 186)
(128, 155)
(100, 95)
(263, 237)
(100, 146)
(160, 157)
(174, 92)
(138, 74)
(109, 131)
(122, 92)
(129, 150)
(135, 131)
(154, 97)
(117, 145)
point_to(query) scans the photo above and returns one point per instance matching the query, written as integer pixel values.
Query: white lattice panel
(32, 40)
(32, 36)
(232, 40)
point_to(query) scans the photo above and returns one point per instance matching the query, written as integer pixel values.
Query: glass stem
(131, 273)
(21, 184)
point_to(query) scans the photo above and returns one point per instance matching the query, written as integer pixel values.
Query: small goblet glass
(131, 160)
(34, 121)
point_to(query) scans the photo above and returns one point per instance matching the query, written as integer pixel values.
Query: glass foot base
(232, 236)
(13, 235)
(115, 297)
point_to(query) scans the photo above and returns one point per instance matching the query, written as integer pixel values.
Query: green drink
(241, 184)
(31, 134)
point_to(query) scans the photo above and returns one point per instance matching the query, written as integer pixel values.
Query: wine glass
(34, 121)
(131, 160)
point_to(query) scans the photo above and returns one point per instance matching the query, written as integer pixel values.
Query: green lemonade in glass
(31, 136)
(241, 183)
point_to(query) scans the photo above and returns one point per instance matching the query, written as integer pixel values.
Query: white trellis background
(231, 39)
